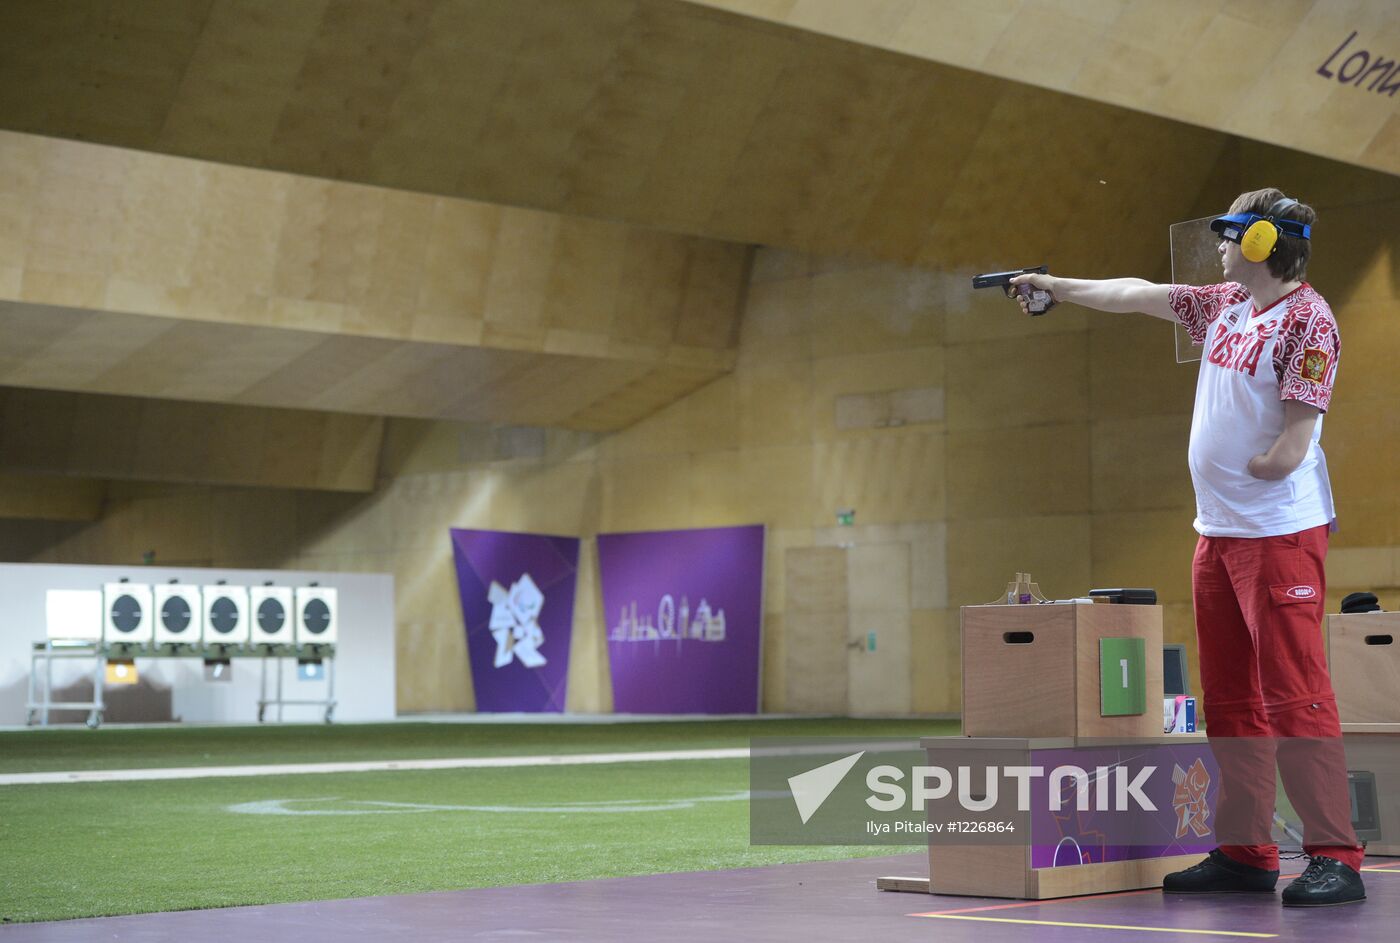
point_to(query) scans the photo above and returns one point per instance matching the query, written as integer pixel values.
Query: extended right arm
(1118, 295)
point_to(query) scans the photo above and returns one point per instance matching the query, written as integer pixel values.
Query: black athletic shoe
(1326, 881)
(1220, 874)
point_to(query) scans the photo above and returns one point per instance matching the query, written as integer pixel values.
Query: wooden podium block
(1363, 653)
(1373, 771)
(994, 871)
(1034, 671)
(1055, 856)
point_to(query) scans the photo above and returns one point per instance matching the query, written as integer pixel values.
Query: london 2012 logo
(515, 622)
(1189, 799)
(702, 625)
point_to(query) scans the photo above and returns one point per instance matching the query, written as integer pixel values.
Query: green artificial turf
(24, 751)
(94, 849)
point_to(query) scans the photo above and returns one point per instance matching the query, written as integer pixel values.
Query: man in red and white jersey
(1263, 511)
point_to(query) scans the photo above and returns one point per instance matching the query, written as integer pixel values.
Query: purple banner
(518, 605)
(684, 612)
(1184, 789)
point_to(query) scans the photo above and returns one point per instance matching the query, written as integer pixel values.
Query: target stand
(41, 659)
(322, 656)
(124, 621)
(303, 625)
(40, 701)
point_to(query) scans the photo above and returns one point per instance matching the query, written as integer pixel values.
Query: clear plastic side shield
(1195, 261)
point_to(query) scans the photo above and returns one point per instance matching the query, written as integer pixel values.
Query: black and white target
(271, 608)
(317, 621)
(179, 614)
(127, 618)
(225, 612)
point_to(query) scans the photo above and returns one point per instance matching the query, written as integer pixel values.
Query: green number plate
(1123, 676)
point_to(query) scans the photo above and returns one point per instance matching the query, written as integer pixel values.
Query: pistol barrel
(1003, 279)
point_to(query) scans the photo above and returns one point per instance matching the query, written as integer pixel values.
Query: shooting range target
(178, 615)
(225, 615)
(126, 616)
(316, 615)
(271, 608)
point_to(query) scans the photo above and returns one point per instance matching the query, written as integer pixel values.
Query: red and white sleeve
(1196, 306)
(1308, 352)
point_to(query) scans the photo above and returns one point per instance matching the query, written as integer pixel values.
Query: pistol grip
(1038, 300)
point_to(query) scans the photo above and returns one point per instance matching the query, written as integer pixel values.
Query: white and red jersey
(1253, 361)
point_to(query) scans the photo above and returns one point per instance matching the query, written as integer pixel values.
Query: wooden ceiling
(541, 212)
(659, 113)
(1270, 70)
(136, 274)
(79, 350)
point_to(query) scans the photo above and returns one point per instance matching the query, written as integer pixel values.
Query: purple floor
(820, 901)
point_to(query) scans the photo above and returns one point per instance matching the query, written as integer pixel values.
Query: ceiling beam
(48, 433)
(47, 498)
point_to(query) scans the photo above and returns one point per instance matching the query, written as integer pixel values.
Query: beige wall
(971, 443)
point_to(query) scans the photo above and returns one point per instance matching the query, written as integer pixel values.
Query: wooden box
(1013, 869)
(1374, 749)
(1363, 653)
(1033, 671)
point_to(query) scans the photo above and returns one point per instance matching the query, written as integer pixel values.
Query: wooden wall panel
(935, 670)
(878, 578)
(816, 619)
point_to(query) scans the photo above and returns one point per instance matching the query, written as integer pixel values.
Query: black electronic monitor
(1176, 680)
(1364, 817)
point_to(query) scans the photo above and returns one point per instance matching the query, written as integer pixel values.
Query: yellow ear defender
(1258, 236)
(1260, 240)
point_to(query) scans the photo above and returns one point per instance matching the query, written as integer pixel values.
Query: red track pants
(1268, 698)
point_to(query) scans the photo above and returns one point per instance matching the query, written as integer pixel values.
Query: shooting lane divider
(366, 766)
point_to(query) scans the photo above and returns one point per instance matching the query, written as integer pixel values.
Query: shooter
(1263, 511)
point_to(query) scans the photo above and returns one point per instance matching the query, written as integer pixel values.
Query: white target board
(126, 614)
(73, 614)
(316, 615)
(178, 614)
(271, 615)
(225, 611)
